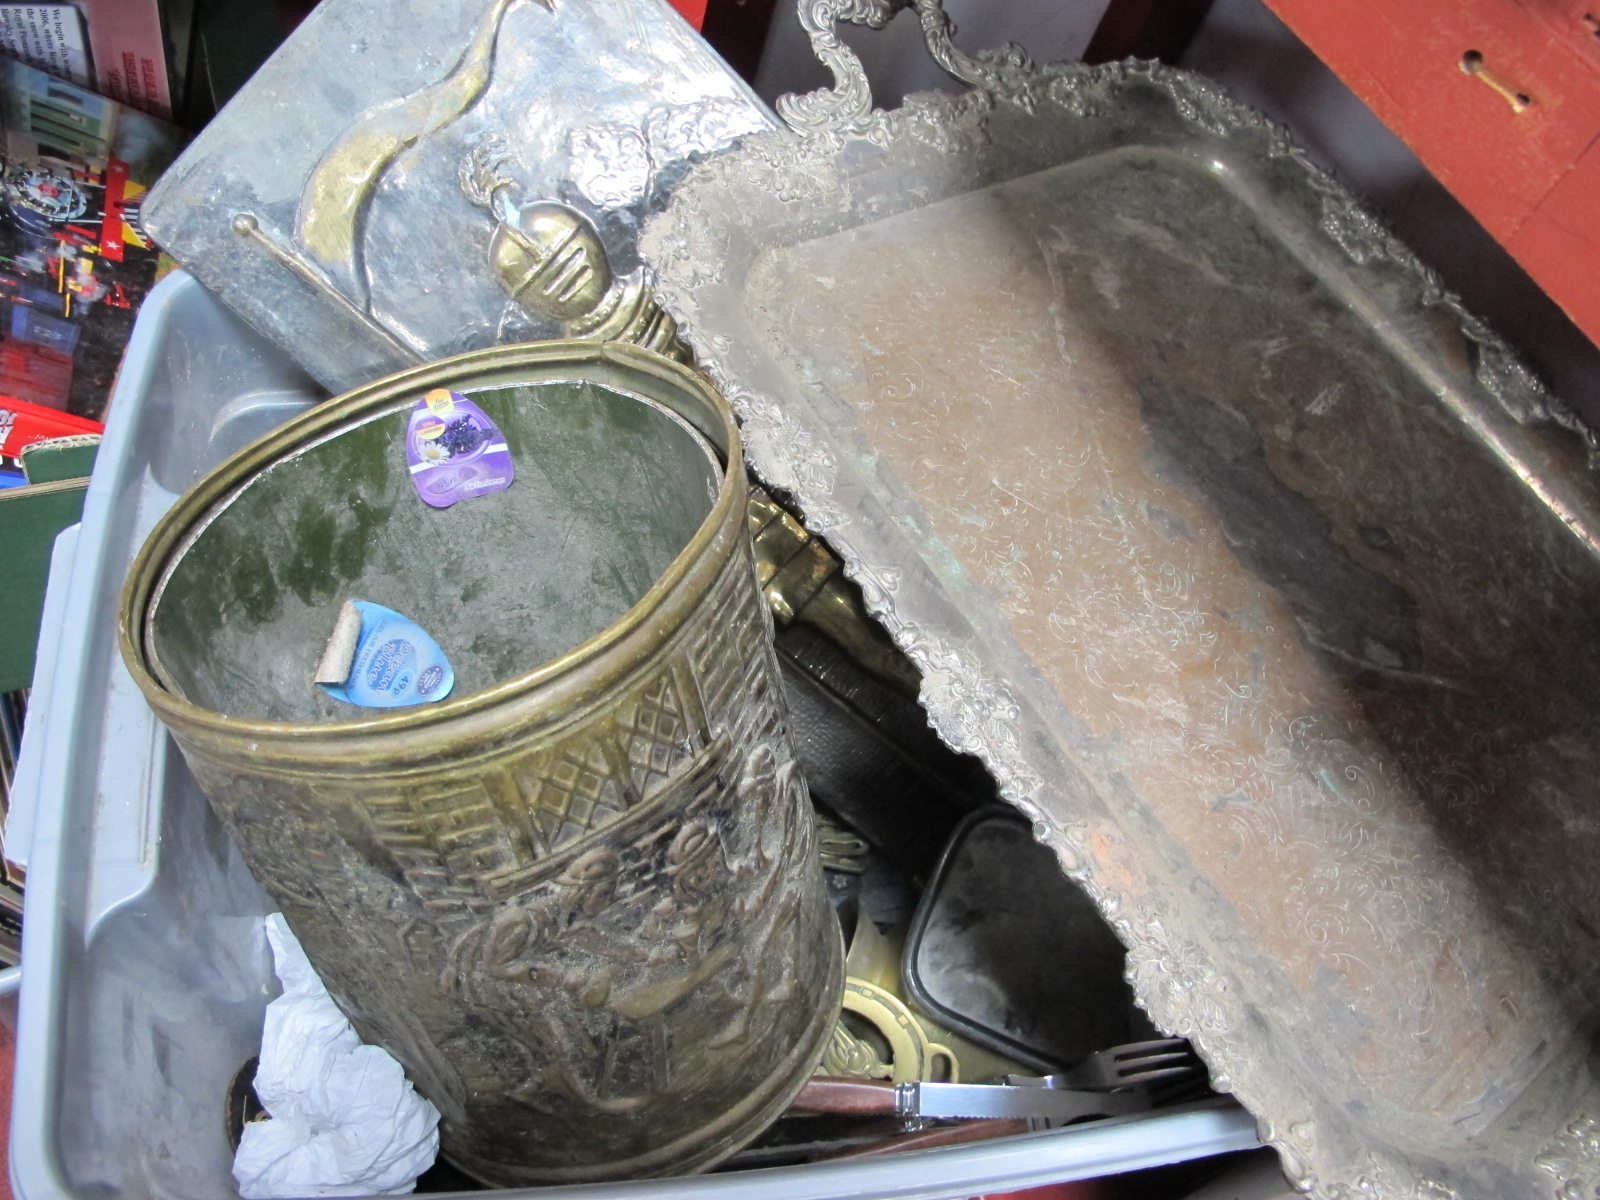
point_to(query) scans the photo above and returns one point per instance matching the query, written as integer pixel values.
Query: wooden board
(1500, 99)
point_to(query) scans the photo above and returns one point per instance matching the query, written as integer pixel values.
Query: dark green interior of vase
(610, 488)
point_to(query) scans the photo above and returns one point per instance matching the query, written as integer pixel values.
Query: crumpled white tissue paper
(345, 1120)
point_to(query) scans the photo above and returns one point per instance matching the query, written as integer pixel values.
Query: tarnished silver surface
(382, 191)
(1259, 573)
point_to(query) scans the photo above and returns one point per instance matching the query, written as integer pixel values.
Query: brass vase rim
(608, 654)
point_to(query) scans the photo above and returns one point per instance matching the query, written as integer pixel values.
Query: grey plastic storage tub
(145, 970)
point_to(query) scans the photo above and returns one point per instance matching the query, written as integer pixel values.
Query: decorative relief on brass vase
(583, 907)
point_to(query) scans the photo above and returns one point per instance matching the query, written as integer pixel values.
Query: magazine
(75, 263)
(129, 53)
(48, 36)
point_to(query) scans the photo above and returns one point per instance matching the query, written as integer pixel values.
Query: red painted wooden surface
(1501, 100)
(692, 11)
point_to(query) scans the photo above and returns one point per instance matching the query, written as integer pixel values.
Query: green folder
(30, 518)
(60, 458)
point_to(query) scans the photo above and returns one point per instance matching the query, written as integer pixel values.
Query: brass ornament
(339, 191)
(582, 906)
(550, 260)
(804, 581)
(913, 1055)
(880, 1035)
(840, 849)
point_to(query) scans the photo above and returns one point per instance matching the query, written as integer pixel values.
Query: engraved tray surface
(1260, 574)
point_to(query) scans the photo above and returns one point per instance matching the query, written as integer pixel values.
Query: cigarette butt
(341, 649)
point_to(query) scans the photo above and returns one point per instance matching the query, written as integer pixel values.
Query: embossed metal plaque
(408, 179)
(1260, 574)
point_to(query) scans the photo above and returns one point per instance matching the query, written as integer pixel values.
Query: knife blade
(989, 1100)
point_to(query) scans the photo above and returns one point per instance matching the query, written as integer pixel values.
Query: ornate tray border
(1324, 1151)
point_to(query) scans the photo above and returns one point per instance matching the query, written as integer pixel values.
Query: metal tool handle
(836, 1094)
(962, 1101)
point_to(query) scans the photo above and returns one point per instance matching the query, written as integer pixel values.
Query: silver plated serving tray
(1261, 575)
(408, 179)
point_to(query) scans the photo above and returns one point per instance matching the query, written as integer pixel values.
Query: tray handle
(1006, 70)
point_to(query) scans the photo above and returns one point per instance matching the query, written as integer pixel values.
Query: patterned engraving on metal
(610, 164)
(1573, 1159)
(1006, 71)
(849, 102)
(607, 909)
(1363, 882)
(1007, 74)
(583, 908)
(370, 107)
(615, 165)
(676, 132)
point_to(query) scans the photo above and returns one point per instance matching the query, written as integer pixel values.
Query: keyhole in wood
(1472, 64)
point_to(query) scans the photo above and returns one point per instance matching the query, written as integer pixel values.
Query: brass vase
(579, 899)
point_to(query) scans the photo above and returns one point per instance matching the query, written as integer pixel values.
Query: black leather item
(869, 755)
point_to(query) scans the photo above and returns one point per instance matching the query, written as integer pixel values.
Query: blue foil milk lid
(394, 663)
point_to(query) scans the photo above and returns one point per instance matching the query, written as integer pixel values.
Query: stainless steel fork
(1108, 1083)
(1165, 1060)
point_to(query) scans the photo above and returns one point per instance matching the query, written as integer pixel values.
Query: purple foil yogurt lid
(454, 450)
